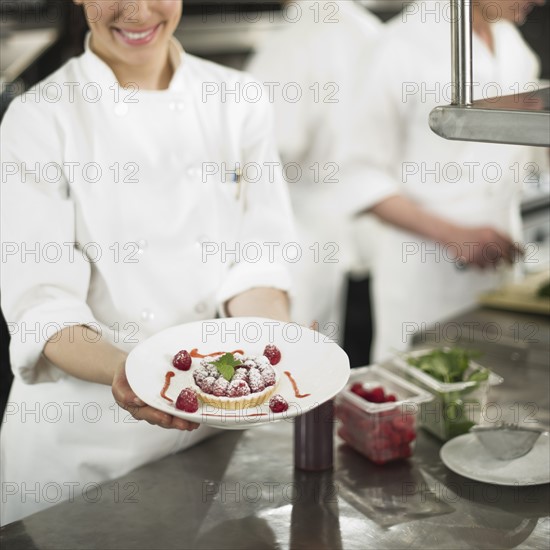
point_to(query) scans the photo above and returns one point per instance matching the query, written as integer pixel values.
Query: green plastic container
(456, 406)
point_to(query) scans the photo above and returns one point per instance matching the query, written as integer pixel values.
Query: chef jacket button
(121, 109)
(142, 245)
(147, 315)
(180, 106)
(172, 106)
(200, 307)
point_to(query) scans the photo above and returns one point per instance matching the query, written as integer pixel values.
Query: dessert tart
(249, 381)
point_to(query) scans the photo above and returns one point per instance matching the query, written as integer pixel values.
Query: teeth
(137, 35)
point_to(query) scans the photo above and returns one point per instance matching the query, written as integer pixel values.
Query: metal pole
(461, 44)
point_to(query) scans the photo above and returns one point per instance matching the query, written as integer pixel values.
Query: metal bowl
(507, 441)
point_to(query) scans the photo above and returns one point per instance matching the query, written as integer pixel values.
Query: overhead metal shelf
(519, 119)
(522, 119)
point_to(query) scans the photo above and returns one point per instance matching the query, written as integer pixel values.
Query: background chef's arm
(405, 214)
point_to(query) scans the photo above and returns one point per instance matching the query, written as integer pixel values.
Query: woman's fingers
(159, 418)
(128, 400)
(122, 391)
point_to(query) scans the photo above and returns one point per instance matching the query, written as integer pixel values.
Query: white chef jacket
(415, 282)
(322, 48)
(139, 194)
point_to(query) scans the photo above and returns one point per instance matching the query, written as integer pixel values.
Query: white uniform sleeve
(372, 146)
(354, 147)
(267, 226)
(284, 71)
(44, 277)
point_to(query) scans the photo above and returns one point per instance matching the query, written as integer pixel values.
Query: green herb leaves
(226, 365)
(449, 366)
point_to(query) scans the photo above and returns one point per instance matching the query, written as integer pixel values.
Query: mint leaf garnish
(226, 365)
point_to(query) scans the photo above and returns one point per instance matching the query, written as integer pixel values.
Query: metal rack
(521, 119)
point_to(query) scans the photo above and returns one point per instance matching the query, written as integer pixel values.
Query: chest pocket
(225, 198)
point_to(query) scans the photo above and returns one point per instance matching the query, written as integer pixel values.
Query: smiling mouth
(137, 37)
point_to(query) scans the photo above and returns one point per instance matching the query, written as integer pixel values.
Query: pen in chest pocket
(237, 178)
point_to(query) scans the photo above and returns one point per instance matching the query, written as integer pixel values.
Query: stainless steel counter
(240, 490)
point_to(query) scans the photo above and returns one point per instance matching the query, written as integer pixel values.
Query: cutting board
(520, 296)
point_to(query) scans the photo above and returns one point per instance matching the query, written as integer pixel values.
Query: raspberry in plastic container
(383, 428)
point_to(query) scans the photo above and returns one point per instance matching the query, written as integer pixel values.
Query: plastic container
(380, 431)
(456, 406)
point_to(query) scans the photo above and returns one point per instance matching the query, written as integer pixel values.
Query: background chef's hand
(481, 246)
(129, 401)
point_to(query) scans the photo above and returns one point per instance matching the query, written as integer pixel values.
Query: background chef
(323, 49)
(147, 215)
(439, 200)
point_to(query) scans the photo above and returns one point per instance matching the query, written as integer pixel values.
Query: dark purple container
(314, 438)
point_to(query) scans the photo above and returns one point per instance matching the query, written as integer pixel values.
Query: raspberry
(220, 387)
(261, 362)
(187, 401)
(212, 371)
(255, 381)
(238, 388)
(199, 376)
(278, 404)
(208, 384)
(391, 398)
(268, 376)
(240, 374)
(249, 364)
(357, 388)
(272, 353)
(376, 395)
(182, 360)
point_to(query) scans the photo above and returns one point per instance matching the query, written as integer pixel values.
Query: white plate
(466, 456)
(318, 365)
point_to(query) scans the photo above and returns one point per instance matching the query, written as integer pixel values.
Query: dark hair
(75, 27)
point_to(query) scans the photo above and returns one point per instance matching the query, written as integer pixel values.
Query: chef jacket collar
(103, 74)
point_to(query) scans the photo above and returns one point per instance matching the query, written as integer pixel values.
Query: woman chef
(438, 200)
(115, 177)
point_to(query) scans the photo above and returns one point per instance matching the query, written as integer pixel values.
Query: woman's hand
(129, 401)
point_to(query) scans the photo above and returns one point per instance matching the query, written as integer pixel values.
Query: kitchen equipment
(520, 296)
(521, 119)
(465, 455)
(314, 438)
(507, 441)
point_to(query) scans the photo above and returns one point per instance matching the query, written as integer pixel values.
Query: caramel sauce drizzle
(167, 379)
(295, 386)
